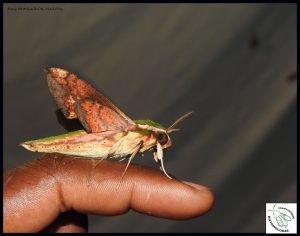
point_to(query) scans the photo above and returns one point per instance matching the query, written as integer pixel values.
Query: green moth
(108, 133)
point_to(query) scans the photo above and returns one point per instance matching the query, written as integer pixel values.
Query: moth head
(163, 138)
(160, 133)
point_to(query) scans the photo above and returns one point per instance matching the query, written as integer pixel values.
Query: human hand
(55, 192)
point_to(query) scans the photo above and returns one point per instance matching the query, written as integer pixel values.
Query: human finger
(35, 194)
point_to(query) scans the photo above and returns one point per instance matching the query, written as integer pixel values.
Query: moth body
(98, 145)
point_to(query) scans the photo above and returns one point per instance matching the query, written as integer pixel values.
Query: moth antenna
(172, 130)
(178, 121)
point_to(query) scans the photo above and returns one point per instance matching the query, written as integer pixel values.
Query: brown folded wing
(77, 99)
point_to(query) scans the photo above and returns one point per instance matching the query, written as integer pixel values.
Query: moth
(108, 132)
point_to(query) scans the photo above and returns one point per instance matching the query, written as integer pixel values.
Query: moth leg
(132, 156)
(95, 163)
(122, 159)
(116, 146)
(159, 156)
(138, 147)
(98, 161)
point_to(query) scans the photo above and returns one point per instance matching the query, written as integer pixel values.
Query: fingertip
(159, 196)
(205, 196)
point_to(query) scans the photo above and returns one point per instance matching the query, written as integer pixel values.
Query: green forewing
(149, 122)
(61, 136)
(143, 132)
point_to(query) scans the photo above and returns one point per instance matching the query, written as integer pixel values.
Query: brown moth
(108, 133)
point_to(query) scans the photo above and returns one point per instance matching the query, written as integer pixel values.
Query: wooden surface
(229, 63)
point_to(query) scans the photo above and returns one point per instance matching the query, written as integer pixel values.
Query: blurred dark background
(234, 65)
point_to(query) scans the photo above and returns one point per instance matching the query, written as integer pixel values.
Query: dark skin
(55, 192)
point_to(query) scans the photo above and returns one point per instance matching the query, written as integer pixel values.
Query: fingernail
(197, 186)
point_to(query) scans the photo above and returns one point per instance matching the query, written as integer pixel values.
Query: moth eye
(162, 138)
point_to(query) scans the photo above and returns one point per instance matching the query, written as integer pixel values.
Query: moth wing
(61, 92)
(89, 111)
(78, 99)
